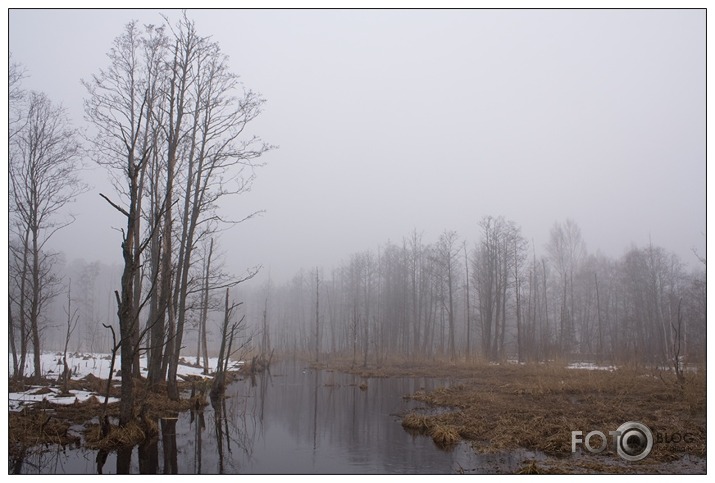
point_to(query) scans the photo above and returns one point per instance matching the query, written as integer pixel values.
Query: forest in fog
(171, 125)
(497, 298)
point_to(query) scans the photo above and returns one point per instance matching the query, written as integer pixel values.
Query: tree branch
(117, 207)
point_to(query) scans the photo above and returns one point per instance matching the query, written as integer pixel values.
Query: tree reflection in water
(124, 460)
(236, 425)
(199, 423)
(149, 456)
(168, 439)
(297, 421)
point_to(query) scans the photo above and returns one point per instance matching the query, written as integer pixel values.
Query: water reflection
(16, 462)
(295, 420)
(149, 456)
(199, 423)
(168, 438)
(124, 459)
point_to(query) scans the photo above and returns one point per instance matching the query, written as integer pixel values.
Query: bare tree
(203, 317)
(177, 91)
(448, 251)
(265, 332)
(496, 263)
(87, 281)
(415, 261)
(227, 335)
(317, 316)
(566, 249)
(217, 161)
(520, 246)
(368, 265)
(44, 179)
(121, 106)
(72, 319)
(16, 95)
(467, 313)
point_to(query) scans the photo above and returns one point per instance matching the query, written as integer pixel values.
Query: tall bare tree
(566, 249)
(177, 92)
(121, 105)
(16, 95)
(495, 269)
(217, 160)
(448, 251)
(44, 179)
(317, 315)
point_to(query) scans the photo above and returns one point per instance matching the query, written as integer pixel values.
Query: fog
(410, 197)
(389, 121)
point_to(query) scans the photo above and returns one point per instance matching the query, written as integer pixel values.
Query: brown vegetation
(30, 428)
(118, 436)
(49, 423)
(535, 407)
(504, 407)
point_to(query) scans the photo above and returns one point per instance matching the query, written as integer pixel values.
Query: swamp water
(297, 420)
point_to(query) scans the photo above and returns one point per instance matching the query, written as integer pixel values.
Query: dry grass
(417, 422)
(532, 468)
(503, 408)
(129, 435)
(444, 436)
(398, 366)
(47, 423)
(28, 429)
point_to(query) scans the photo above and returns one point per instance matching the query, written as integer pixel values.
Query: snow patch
(82, 365)
(590, 366)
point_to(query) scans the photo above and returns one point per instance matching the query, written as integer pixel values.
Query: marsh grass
(444, 436)
(417, 422)
(118, 436)
(47, 423)
(28, 429)
(535, 407)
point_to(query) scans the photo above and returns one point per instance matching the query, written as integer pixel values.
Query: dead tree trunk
(317, 317)
(219, 382)
(205, 308)
(469, 328)
(600, 324)
(72, 319)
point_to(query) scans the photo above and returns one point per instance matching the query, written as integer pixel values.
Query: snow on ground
(590, 366)
(81, 366)
(18, 400)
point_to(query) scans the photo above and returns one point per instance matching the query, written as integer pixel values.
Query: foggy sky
(428, 119)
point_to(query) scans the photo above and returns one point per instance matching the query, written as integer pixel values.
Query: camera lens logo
(634, 441)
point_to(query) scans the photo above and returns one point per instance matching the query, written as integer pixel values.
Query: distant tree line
(497, 299)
